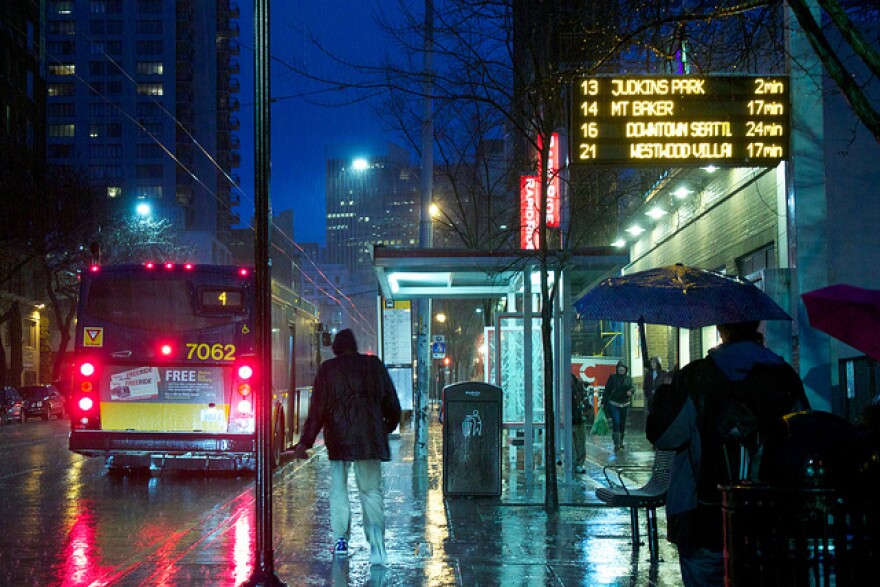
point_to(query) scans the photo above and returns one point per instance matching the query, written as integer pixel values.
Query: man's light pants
(368, 475)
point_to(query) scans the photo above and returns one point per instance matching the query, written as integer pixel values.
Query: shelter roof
(410, 273)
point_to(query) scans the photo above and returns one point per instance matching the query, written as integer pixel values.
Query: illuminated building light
(635, 230)
(656, 212)
(682, 192)
(619, 243)
(359, 164)
(710, 169)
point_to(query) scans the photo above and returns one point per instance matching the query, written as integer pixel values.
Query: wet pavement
(98, 529)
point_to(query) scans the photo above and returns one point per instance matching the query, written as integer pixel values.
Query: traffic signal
(446, 361)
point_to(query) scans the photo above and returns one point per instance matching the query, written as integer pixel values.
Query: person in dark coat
(579, 421)
(616, 400)
(356, 405)
(655, 377)
(681, 409)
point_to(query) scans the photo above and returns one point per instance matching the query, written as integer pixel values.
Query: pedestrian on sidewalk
(655, 377)
(578, 424)
(616, 400)
(356, 405)
(689, 416)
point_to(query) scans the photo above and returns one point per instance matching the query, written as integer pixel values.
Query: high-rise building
(22, 91)
(372, 198)
(141, 97)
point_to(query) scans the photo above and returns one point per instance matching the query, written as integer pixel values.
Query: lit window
(150, 67)
(61, 89)
(114, 191)
(62, 130)
(150, 89)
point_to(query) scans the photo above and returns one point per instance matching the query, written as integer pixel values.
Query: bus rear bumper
(166, 449)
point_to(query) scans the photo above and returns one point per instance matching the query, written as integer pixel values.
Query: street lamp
(143, 209)
(440, 317)
(360, 164)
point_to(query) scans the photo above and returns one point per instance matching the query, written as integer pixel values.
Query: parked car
(11, 405)
(44, 401)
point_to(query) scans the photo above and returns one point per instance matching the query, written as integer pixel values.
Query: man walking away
(355, 403)
(715, 414)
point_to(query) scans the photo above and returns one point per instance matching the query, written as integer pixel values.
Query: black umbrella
(677, 295)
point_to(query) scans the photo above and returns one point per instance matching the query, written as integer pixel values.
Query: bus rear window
(150, 305)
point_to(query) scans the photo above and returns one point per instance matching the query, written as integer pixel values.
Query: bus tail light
(85, 399)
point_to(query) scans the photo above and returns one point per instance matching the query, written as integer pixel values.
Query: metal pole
(425, 236)
(264, 567)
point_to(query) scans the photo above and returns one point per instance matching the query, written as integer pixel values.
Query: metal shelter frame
(419, 273)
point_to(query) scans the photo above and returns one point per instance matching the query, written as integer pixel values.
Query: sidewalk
(468, 541)
(430, 540)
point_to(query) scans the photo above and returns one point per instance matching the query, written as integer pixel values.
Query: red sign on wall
(529, 198)
(552, 178)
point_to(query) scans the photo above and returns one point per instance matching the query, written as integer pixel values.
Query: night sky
(303, 127)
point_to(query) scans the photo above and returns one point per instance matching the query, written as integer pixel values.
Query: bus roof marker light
(169, 265)
(149, 265)
(188, 266)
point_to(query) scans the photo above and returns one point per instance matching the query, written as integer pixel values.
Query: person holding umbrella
(616, 400)
(686, 416)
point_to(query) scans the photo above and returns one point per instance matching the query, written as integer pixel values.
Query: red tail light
(245, 372)
(87, 369)
(243, 272)
(166, 350)
(86, 404)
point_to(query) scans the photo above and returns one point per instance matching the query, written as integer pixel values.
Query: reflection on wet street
(68, 522)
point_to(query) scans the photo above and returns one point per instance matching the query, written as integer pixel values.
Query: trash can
(472, 439)
(798, 536)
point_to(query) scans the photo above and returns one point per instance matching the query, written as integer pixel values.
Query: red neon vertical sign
(529, 200)
(552, 178)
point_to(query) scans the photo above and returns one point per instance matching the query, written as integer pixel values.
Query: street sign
(438, 338)
(438, 350)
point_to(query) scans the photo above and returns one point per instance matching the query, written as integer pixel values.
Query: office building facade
(142, 98)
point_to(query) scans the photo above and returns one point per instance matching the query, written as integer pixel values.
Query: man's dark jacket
(355, 403)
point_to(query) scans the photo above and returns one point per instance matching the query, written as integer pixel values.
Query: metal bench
(650, 496)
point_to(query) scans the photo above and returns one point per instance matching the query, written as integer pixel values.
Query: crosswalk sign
(438, 350)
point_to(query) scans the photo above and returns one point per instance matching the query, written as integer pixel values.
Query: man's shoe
(341, 548)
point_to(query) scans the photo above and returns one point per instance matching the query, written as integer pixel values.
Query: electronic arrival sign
(680, 121)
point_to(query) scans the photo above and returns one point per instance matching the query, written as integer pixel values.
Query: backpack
(739, 420)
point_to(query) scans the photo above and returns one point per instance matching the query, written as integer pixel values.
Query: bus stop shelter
(514, 275)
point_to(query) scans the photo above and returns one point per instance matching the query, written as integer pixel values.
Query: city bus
(165, 368)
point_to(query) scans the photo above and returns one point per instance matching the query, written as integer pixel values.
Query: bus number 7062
(215, 352)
